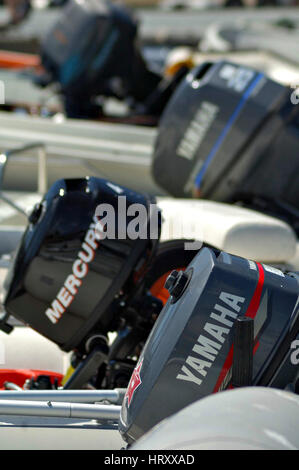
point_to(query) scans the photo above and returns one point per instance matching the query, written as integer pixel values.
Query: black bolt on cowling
(176, 283)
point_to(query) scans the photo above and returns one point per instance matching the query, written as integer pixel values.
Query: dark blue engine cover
(189, 352)
(65, 277)
(229, 133)
(92, 41)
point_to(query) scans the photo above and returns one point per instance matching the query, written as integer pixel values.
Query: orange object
(18, 60)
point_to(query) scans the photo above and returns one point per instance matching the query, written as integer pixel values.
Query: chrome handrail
(41, 170)
(115, 396)
(60, 410)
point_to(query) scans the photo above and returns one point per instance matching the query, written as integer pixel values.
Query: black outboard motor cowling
(190, 351)
(66, 279)
(229, 134)
(92, 51)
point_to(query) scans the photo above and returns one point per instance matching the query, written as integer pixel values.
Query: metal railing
(59, 410)
(115, 396)
(41, 169)
(84, 404)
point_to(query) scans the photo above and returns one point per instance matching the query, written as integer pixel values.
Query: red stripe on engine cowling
(256, 299)
(251, 312)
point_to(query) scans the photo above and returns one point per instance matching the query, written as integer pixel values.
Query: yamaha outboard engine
(92, 51)
(230, 322)
(74, 284)
(230, 134)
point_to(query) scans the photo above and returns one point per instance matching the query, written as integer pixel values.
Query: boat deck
(121, 153)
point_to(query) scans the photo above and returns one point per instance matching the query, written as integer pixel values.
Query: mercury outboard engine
(230, 134)
(230, 322)
(72, 284)
(92, 51)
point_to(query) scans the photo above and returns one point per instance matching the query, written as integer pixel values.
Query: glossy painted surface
(178, 369)
(54, 247)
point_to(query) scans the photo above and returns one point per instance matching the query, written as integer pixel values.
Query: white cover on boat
(251, 418)
(31, 433)
(234, 229)
(24, 348)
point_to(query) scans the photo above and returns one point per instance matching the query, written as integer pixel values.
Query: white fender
(245, 418)
(236, 230)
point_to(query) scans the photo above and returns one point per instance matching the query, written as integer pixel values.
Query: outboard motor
(18, 12)
(230, 322)
(92, 51)
(230, 134)
(71, 283)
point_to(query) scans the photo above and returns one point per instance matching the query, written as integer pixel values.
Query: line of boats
(134, 348)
